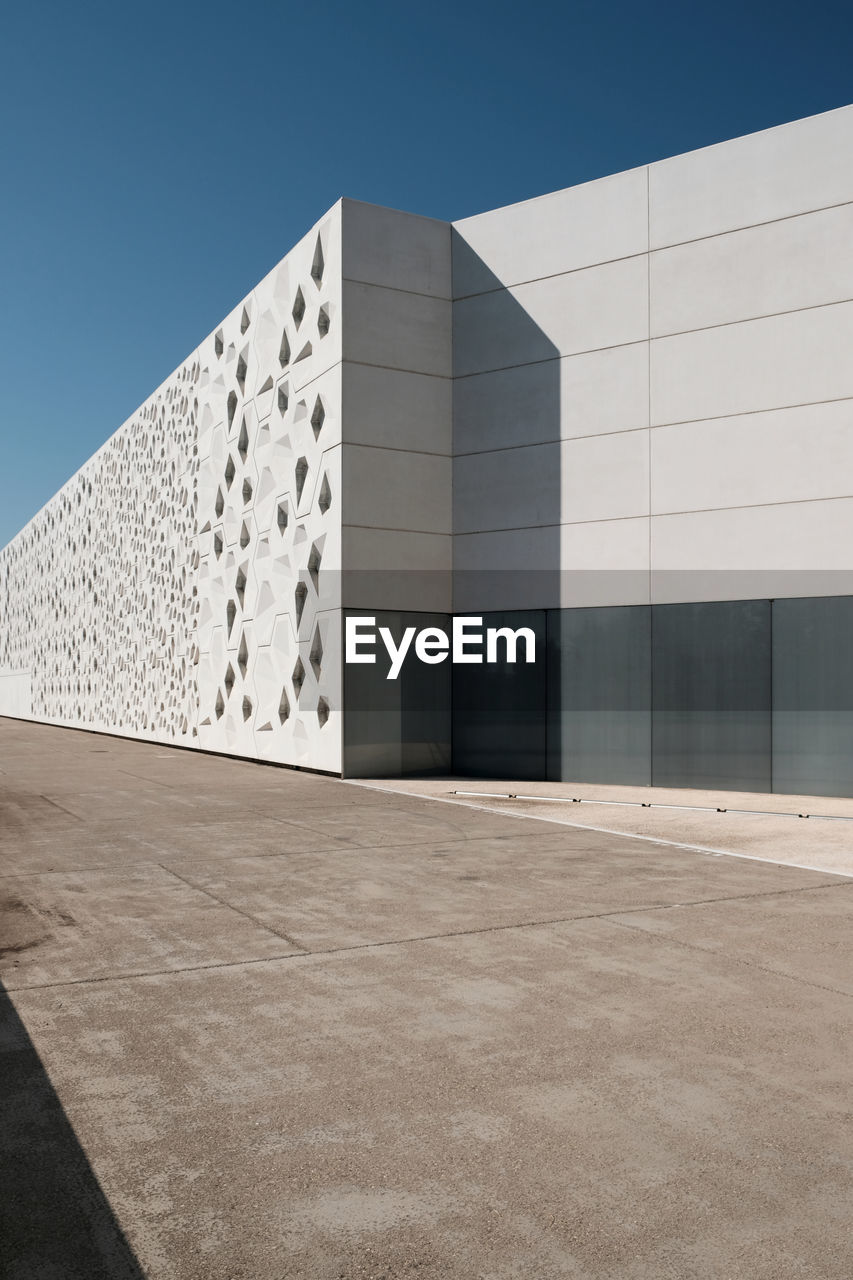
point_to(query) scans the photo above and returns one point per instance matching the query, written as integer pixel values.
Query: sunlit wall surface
(622, 412)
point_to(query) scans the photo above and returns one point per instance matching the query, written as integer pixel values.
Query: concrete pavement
(808, 831)
(266, 1024)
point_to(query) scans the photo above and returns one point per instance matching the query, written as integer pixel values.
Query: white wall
(16, 694)
(155, 594)
(551, 398)
(186, 585)
(751, 394)
(653, 384)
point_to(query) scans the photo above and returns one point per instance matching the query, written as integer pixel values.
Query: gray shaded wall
(813, 696)
(500, 709)
(747, 695)
(403, 726)
(711, 695)
(599, 694)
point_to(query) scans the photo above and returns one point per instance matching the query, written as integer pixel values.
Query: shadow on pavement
(54, 1218)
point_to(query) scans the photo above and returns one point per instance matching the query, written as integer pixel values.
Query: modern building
(620, 415)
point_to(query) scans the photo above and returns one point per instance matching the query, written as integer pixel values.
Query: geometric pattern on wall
(97, 591)
(270, 515)
(184, 585)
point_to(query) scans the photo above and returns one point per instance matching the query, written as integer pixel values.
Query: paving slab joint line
(60, 807)
(304, 953)
(237, 910)
(607, 831)
(728, 955)
(342, 847)
(154, 782)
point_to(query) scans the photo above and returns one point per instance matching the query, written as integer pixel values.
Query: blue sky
(157, 161)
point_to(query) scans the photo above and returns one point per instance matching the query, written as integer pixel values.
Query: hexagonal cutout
(232, 408)
(217, 545)
(219, 505)
(229, 681)
(218, 344)
(243, 656)
(247, 491)
(240, 587)
(230, 471)
(283, 398)
(281, 516)
(230, 615)
(242, 370)
(243, 441)
(284, 351)
(245, 536)
(323, 321)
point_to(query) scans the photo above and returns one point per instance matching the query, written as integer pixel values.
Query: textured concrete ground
(262, 1024)
(808, 831)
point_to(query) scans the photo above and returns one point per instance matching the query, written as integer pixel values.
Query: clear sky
(158, 159)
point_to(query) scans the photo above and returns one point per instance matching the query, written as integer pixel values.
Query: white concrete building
(621, 414)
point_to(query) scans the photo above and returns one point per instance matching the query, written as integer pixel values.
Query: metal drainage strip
(651, 804)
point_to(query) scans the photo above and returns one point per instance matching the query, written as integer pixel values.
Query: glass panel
(813, 696)
(395, 727)
(599, 695)
(499, 709)
(711, 667)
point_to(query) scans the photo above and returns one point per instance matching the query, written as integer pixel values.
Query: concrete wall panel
(590, 394)
(597, 478)
(780, 266)
(592, 223)
(396, 409)
(582, 311)
(387, 564)
(797, 358)
(395, 250)
(598, 563)
(396, 489)
(509, 489)
(396, 329)
(773, 174)
(785, 455)
(788, 549)
(605, 477)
